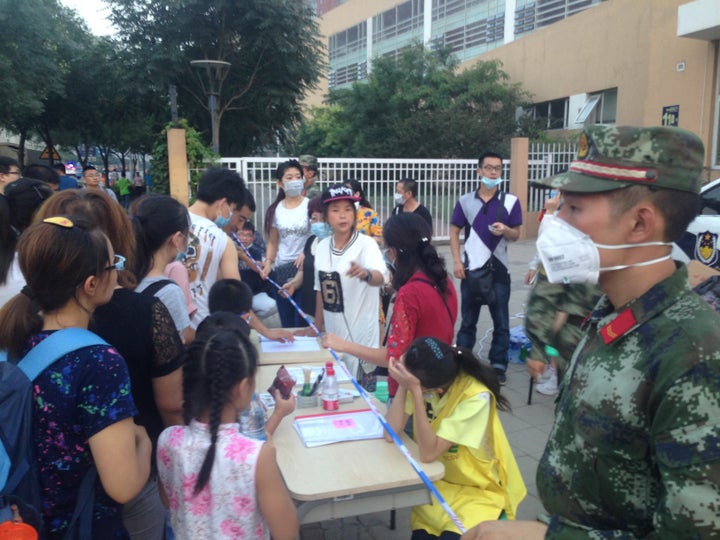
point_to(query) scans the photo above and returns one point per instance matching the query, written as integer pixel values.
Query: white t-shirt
(351, 306)
(206, 246)
(13, 284)
(293, 227)
(174, 299)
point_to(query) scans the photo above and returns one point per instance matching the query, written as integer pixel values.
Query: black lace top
(142, 330)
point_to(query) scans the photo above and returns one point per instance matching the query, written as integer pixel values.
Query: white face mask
(399, 198)
(293, 188)
(570, 256)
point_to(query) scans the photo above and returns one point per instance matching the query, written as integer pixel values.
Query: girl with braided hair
(218, 483)
(453, 399)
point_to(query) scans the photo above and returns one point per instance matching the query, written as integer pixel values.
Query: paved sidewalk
(527, 426)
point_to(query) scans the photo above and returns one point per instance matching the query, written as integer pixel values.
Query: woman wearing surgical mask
(287, 229)
(305, 278)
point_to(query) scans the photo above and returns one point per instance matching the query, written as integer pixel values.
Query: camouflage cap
(308, 161)
(614, 157)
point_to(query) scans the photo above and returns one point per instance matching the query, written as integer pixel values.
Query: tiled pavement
(527, 426)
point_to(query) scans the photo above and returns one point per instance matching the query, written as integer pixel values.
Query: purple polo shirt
(475, 216)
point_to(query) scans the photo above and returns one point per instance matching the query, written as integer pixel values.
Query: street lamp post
(215, 71)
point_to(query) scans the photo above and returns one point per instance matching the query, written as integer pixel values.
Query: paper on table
(296, 372)
(301, 344)
(329, 428)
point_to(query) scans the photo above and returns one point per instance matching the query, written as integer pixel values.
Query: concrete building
(642, 62)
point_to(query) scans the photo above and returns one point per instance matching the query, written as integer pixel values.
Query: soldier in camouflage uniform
(573, 300)
(635, 448)
(311, 176)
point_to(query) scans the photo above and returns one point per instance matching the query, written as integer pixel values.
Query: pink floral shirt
(227, 506)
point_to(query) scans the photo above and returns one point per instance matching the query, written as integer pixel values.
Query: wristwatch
(368, 278)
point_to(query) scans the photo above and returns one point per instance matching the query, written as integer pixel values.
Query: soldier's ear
(647, 223)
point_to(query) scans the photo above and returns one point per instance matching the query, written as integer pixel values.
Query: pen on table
(316, 384)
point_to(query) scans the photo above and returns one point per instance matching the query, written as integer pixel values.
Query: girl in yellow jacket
(453, 399)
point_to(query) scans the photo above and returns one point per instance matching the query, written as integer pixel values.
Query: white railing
(440, 181)
(545, 160)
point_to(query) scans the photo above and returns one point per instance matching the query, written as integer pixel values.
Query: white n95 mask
(570, 256)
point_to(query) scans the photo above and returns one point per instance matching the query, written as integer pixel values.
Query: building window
(398, 20)
(553, 114)
(532, 14)
(600, 108)
(468, 27)
(350, 40)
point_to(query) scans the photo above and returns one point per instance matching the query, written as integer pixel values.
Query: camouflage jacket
(635, 448)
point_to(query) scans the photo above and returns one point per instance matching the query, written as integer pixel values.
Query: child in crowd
(219, 483)
(263, 305)
(453, 399)
(232, 296)
(349, 268)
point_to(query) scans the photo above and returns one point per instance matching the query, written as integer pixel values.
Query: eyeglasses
(490, 168)
(118, 263)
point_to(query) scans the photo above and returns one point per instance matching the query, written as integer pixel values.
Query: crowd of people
(149, 404)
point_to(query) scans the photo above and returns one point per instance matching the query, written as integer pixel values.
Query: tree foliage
(272, 47)
(39, 39)
(419, 105)
(70, 88)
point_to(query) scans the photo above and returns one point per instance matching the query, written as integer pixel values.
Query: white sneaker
(549, 387)
(547, 374)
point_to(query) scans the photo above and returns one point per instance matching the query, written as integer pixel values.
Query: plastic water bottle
(330, 391)
(252, 420)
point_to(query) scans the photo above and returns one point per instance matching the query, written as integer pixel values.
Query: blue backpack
(19, 483)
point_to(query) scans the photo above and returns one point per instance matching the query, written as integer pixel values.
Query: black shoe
(502, 379)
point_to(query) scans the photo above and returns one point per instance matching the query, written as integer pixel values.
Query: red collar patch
(618, 326)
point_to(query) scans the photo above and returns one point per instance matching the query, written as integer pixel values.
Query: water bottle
(330, 390)
(252, 420)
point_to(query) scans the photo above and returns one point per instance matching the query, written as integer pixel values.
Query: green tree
(272, 46)
(39, 37)
(198, 155)
(418, 105)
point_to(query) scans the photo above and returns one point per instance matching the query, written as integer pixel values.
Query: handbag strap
(442, 296)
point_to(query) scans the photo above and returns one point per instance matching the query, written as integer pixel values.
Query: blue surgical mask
(320, 229)
(293, 188)
(181, 256)
(489, 183)
(221, 221)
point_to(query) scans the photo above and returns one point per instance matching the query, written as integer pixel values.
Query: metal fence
(545, 160)
(440, 182)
